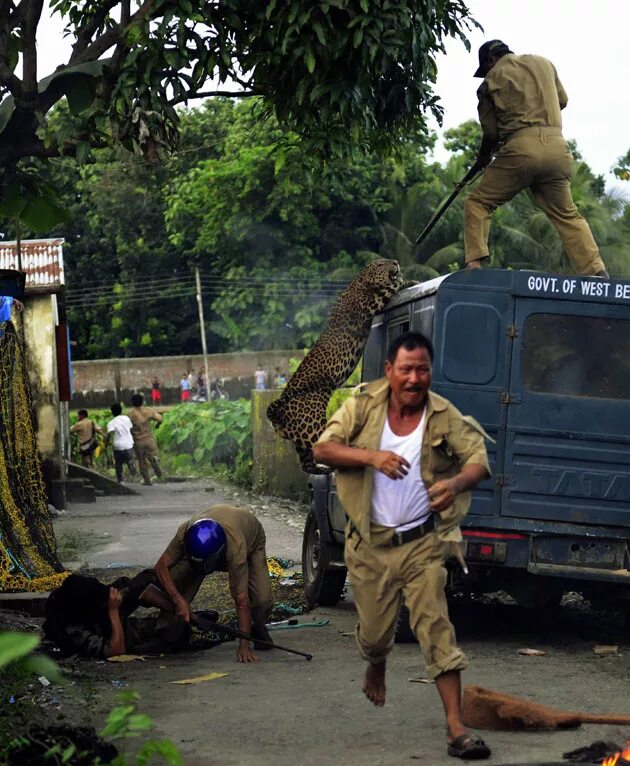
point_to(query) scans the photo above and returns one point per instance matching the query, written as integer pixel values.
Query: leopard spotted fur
(299, 415)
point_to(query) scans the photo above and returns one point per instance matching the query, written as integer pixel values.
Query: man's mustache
(415, 389)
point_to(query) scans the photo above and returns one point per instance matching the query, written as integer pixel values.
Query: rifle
(445, 205)
(155, 596)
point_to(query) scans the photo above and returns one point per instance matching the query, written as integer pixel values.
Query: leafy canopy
(337, 72)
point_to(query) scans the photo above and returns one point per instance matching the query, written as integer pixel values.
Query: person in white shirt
(260, 378)
(120, 428)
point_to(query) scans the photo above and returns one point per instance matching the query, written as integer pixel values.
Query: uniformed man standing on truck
(520, 100)
(407, 460)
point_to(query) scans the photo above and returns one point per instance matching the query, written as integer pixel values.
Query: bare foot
(474, 264)
(374, 684)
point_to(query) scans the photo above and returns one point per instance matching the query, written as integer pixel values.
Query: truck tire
(321, 585)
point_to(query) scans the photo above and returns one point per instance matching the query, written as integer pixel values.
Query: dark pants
(122, 457)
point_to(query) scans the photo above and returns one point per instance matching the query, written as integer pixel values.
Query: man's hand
(392, 465)
(114, 600)
(442, 494)
(18, 304)
(244, 652)
(482, 161)
(182, 609)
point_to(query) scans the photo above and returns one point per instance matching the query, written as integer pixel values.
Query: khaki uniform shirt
(520, 92)
(450, 442)
(244, 534)
(141, 418)
(85, 429)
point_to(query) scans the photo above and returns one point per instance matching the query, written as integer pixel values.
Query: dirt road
(286, 711)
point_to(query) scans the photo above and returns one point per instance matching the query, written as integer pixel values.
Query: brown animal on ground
(299, 415)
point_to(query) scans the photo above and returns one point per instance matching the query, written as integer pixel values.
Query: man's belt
(400, 538)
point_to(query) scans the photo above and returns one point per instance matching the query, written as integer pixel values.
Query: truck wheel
(321, 585)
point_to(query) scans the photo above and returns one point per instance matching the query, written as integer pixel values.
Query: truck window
(395, 328)
(576, 356)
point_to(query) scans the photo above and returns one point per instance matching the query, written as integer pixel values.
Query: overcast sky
(587, 42)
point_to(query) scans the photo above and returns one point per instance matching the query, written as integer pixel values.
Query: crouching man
(406, 461)
(223, 539)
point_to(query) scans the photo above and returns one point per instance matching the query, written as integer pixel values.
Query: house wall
(38, 322)
(99, 382)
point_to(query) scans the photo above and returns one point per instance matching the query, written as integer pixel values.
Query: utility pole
(202, 326)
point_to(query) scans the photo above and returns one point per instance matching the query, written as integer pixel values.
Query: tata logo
(606, 486)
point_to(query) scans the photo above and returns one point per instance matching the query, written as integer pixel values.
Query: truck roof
(523, 283)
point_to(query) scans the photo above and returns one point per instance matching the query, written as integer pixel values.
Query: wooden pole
(202, 326)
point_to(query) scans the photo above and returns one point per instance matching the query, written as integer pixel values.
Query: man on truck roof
(407, 460)
(520, 100)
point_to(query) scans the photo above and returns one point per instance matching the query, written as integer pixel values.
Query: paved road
(134, 530)
(285, 711)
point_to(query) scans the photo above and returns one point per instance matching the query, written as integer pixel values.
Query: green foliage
(16, 649)
(124, 722)
(338, 73)
(204, 437)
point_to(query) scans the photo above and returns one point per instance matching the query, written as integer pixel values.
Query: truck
(542, 361)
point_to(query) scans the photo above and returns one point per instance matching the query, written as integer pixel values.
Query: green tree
(337, 72)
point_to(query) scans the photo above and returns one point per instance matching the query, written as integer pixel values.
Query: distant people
(119, 428)
(280, 379)
(156, 394)
(191, 380)
(184, 387)
(202, 388)
(260, 378)
(143, 440)
(86, 431)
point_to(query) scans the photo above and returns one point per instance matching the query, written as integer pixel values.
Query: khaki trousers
(146, 452)
(380, 577)
(536, 159)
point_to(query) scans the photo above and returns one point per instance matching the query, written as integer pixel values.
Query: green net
(28, 559)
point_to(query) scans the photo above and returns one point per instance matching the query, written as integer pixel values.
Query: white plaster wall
(38, 320)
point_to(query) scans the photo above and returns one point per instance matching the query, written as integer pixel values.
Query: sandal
(469, 747)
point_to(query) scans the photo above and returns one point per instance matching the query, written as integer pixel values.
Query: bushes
(204, 438)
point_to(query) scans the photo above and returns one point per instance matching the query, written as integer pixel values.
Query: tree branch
(84, 36)
(8, 79)
(210, 93)
(32, 14)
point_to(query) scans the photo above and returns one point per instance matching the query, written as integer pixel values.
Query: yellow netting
(28, 559)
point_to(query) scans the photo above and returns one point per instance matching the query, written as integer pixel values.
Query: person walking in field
(119, 430)
(86, 431)
(520, 101)
(144, 442)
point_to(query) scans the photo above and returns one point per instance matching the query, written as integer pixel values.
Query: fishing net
(28, 559)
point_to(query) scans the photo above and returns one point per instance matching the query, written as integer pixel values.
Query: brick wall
(99, 382)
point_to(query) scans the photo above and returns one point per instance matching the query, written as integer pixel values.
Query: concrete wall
(98, 383)
(276, 468)
(38, 322)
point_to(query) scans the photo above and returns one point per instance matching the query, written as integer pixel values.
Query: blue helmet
(205, 545)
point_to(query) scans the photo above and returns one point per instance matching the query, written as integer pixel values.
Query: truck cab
(542, 361)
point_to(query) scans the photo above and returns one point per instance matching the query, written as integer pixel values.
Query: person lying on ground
(223, 539)
(86, 617)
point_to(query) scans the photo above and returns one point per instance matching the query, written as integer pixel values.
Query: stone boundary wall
(276, 468)
(99, 382)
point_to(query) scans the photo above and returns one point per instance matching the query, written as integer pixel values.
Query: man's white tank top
(401, 503)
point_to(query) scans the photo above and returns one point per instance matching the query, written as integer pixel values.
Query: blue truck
(542, 361)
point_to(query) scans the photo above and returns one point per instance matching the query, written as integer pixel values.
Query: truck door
(472, 352)
(567, 453)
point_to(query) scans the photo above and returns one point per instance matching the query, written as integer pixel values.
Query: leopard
(299, 414)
